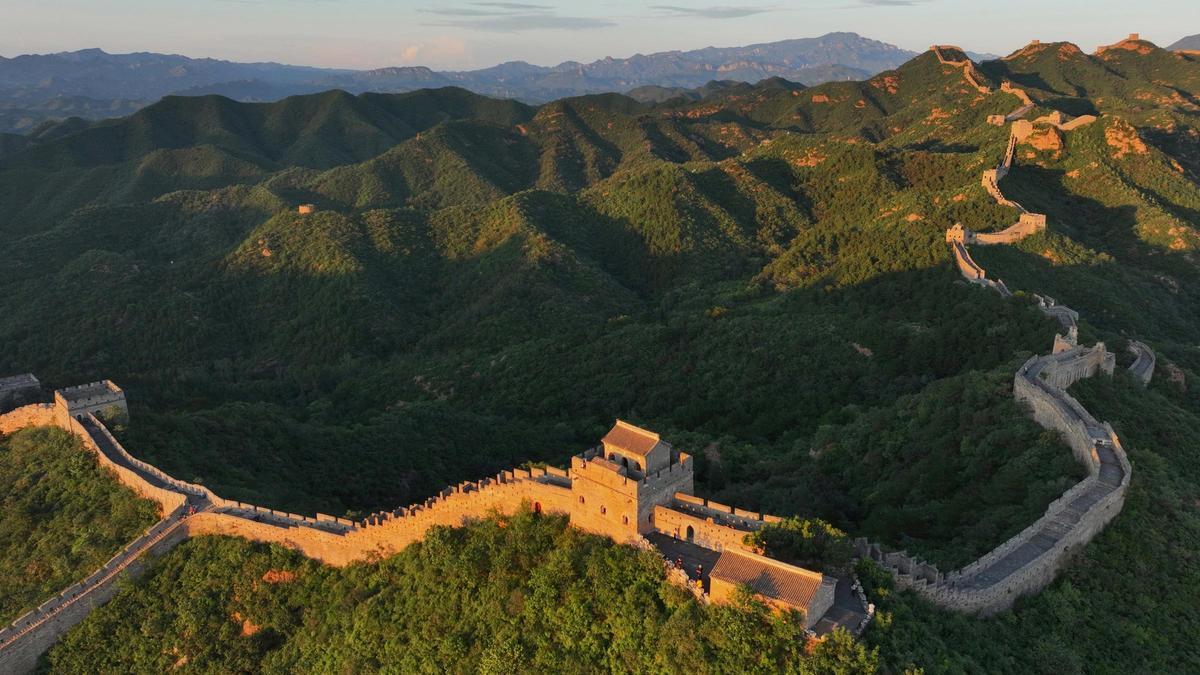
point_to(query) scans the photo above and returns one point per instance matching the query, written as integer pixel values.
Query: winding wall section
(1030, 560)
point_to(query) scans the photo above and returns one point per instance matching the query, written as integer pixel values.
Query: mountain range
(1189, 43)
(94, 84)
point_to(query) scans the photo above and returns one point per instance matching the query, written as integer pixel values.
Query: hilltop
(757, 270)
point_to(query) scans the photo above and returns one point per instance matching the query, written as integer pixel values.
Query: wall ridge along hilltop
(607, 491)
(1030, 560)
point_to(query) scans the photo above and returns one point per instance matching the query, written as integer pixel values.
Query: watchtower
(635, 448)
(616, 486)
(17, 389)
(103, 398)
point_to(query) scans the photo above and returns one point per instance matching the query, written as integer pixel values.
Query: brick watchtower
(616, 486)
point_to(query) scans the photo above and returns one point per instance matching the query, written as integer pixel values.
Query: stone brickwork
(708, 524)
(36, 415)
(100, 398)
(1027, 224)
(1030, 560)
(24, 641)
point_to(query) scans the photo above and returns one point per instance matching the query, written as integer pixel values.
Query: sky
(445, 34)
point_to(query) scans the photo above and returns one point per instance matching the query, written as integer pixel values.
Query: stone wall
(1031, 559)
(1028, 224)
(93, 397)
(1143, 366)
(970, 72)
(706, 531)
(36, 415)
(18, 390)
(168, 499)
(27, 638)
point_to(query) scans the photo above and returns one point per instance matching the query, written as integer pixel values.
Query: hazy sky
(452, 34)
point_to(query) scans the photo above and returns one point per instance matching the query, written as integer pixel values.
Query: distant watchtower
(17, 389)
(103, 399)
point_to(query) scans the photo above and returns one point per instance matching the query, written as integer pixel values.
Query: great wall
(634, 487)
(1029, 561)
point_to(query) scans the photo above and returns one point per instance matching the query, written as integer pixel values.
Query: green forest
(521, 594)
(61, 517)
(757, 273)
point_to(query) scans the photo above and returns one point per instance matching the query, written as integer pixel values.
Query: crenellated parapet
(1030, 560)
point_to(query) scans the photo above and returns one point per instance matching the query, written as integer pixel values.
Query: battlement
(103, 397)
(1030, 560)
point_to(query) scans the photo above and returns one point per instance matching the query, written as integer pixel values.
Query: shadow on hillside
(779, 175)
(934, 145)
(1178, 144)
(1071, 105)
(999, 71)
(1112, 229)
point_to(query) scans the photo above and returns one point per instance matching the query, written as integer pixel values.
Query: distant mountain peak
(1189, 43)
(30, 82)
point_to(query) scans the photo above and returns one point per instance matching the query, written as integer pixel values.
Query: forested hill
(758, 272)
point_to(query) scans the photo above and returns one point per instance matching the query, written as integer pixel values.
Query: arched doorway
(691, 533)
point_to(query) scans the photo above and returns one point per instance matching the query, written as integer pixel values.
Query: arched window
(624, 520)
(603, 510)
(580, 499)
(537, 507)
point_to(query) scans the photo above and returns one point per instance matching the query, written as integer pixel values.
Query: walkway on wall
(1028, 561)
(41, 626)
(107, 445)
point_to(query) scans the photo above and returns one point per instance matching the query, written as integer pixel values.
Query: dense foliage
(524, 594)
(810, 542)
(61, 517)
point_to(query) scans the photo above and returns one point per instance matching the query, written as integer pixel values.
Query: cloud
(890, 3)
(436, 49)
(519, 6)
(714, 11)
(511, 17)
